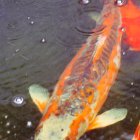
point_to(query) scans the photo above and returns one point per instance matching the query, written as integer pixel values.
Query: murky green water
(37, 41)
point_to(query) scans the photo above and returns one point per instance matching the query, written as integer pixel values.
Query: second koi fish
(137, 133)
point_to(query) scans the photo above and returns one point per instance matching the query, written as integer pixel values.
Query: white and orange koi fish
(137, 133)
(84, 85)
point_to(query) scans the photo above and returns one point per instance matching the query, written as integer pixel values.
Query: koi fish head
(59, 128)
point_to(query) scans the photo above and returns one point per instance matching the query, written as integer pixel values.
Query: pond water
(37, 40)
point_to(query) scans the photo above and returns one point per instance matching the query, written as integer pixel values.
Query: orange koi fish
(84, 85)
(137, 133)
(131, 22)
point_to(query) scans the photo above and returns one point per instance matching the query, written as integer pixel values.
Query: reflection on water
(37, 40)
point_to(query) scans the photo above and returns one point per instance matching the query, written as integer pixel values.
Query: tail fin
(137, 133)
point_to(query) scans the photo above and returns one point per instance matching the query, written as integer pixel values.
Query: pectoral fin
(39, 95)
(108, 118)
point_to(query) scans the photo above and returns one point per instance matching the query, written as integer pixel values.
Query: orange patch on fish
(131, 22)
(41, 105)
(137, 133)
(67, 72)
(76, 123)
(51, 108)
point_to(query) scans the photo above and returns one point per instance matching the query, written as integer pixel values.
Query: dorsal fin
(40, 96)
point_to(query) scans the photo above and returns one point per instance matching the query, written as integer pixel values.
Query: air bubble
(28, 18)
(131, 119)
(132, 83)
(136, 107)
(133, 96)
(14, 126)
(84, 1)
(32, 22)
(29, 124)
(18, 100)
(8, 131)
(123, 29)
(124, 53)
(17, 50)
(8, 124)
(43, 40)
(120, 2)
(6, 116)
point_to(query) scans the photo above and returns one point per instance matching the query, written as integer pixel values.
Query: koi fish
(137, 133)
(84, 85)
(131, 21)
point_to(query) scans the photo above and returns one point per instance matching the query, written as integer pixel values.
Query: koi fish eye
(120, 2)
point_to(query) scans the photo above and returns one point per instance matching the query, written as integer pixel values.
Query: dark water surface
(38, 38)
